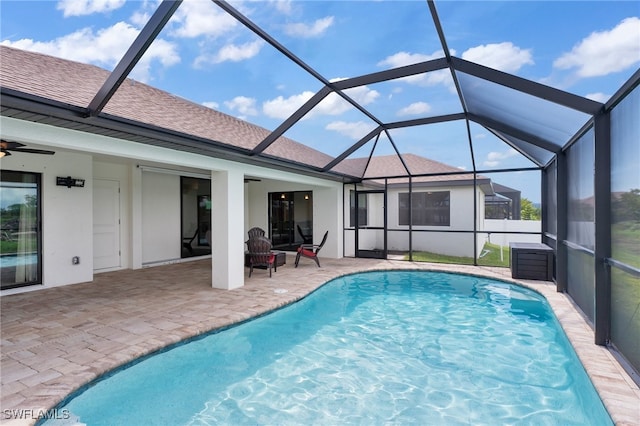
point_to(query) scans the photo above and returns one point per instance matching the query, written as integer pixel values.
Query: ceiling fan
(7, 147)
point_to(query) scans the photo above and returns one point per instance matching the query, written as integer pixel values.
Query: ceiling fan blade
(10, 145)
(33, 151)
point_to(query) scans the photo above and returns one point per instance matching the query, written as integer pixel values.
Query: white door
(106, 224)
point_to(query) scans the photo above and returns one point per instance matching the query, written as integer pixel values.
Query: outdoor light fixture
(283, 196)
(306, 196)
(69, 182)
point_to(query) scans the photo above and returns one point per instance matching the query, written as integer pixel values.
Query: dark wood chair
(256, 232)
(260, 254)
(187, 241)
(311, 251)
(306, 239)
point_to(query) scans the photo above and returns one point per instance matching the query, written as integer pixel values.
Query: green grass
(491, 258)
(8, 247)
(625, 243)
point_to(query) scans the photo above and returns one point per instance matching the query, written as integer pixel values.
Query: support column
(562, 217)
(136, 217)
(227, 229)
(603, 228)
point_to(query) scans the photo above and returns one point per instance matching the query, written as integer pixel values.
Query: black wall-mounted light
(69, 182)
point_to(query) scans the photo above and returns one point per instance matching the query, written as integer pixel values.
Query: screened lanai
(428, 139)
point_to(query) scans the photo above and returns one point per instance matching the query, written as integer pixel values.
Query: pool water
(395, 347)
(13, 260)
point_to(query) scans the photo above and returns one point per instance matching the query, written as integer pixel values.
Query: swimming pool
(379, 347)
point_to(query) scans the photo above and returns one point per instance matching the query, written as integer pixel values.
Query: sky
(589, 48)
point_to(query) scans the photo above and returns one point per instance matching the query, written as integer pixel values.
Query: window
(20, 238)
(428, 208)
(362, 209)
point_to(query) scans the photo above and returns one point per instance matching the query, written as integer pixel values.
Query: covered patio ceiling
(535, 120)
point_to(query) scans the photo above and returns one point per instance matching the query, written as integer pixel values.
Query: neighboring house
(441, 206)
(505, 204)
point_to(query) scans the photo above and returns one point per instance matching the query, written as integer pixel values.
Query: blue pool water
(393, 347)
(12, 260)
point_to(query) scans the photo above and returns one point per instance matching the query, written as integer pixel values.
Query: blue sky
(588, 48)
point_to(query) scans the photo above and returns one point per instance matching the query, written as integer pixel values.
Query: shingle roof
(76, 84)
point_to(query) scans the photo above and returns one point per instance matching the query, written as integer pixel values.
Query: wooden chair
(311, 251)
(260, 254)
(187, 241)
(256, 232)
(306, 239)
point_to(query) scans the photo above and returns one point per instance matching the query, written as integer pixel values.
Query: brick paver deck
(56, 340)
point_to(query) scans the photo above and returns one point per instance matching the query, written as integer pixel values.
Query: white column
(227, 230)
(136, 217)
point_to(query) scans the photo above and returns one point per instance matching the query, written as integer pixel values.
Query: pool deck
(58, 339)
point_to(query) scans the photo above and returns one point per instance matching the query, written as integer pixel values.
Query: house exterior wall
(150, 202)
(66, 216)
(326, 207)
(448, 243)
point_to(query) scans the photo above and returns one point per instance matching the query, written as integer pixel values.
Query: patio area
(56, 340)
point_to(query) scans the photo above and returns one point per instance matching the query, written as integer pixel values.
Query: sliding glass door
(20, 231)
(290, 219)
(195, 196)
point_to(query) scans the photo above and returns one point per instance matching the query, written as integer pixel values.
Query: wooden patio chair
(260, 254)
(187, 241)
(256, 232)
(306, 239)
(311, 251)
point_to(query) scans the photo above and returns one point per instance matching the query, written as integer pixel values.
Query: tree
(528, 211)
(627, 206)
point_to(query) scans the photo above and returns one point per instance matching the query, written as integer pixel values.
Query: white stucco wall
(67, 216)
(326, 208)
(461, 219)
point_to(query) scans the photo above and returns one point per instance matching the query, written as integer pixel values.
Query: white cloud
(304, 30)
(361, 94)
(212, 105)
(605, 52)
(282, 108)
(494, 158)
(500, 56)
(232, 53)
(104, 48)
(87, 7)
(245, 106)
(598, 97)
(415, 108)
(197, 18)
(354, 130)
(402, 59)
(332, 104)
(432, 78)
(283, 6)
